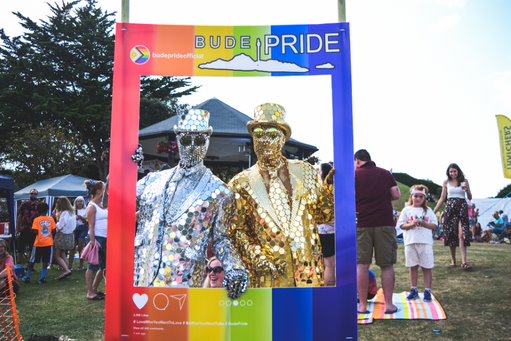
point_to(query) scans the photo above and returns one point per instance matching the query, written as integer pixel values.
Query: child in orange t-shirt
(43, 244)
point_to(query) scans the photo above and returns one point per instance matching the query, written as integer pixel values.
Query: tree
(504, 192)
(58, 74)
(48, 150)
(152, 111)
(409, 181)
(159, 100)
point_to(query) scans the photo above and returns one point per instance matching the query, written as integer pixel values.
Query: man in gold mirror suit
(275, 208)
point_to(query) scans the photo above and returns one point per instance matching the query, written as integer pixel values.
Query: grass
(60, 308)
(400, 203)
(477, 303)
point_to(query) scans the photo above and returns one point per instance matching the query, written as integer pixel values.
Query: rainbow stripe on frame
(207, 314)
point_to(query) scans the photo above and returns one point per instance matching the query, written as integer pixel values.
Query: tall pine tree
(58, 74)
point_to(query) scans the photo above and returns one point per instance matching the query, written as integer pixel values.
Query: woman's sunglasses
(216, 269)
(198, 140)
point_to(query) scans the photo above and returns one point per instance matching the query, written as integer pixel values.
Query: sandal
(64, 275)
(95, 298)
(393, 311)
(465, 266)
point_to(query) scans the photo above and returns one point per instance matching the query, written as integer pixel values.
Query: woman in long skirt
(455, 192)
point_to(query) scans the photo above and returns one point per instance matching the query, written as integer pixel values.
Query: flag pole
(125, 11)
(341, 8)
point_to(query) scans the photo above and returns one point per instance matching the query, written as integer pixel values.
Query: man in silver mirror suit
(180, 212)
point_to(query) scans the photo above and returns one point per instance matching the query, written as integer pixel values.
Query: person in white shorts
(418, 222)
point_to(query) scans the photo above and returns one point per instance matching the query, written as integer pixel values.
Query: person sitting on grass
(43, 244)
(497, 226)
(502, 225)
(418, 222)
(6, 260)
(477, 232)
(373, 285)
(372, 288)
(488, 236)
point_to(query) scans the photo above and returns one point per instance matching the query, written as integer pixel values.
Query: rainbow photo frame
(134, 313)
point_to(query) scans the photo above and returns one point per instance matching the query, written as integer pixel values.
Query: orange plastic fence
(9, 319)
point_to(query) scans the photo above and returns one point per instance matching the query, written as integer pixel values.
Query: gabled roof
(225, 120)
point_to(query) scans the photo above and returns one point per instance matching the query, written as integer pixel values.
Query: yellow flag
(504, 124)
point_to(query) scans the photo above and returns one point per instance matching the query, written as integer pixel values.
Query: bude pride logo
(140, 54)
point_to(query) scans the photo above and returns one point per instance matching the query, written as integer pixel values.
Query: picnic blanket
(407, 310)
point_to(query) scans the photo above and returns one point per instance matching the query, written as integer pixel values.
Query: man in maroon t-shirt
(25, 236)
(375, 189)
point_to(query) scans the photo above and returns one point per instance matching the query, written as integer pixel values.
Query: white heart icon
(140, 300)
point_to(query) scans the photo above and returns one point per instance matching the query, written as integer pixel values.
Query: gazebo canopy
(6, 182)
(7, 185)
(230, 141)
(65, 185)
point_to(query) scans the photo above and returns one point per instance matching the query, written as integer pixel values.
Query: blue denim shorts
(81, 233)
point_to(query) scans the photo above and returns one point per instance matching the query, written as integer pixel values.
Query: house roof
(225, 120)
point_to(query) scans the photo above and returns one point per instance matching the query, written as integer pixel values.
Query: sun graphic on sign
(140, 54)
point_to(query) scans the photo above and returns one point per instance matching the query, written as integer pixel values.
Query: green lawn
(60, 308)
(477, 303)
(405, 195)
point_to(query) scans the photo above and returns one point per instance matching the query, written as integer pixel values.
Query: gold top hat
(270, 115)
(193, 121)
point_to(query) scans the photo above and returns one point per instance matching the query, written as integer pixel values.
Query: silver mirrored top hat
(193, 121)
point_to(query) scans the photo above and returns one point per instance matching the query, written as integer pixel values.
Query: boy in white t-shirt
(418, 222)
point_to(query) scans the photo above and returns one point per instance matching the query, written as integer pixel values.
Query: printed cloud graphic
(243, 62)
(325, 66)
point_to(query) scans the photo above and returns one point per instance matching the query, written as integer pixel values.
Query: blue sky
(429, 76)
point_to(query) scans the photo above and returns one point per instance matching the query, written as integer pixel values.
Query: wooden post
(125, 11)
(341, 8)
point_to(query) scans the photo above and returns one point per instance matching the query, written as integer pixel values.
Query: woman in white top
(81, 231)
(97, 216)
(64, 238)
(456, 191)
